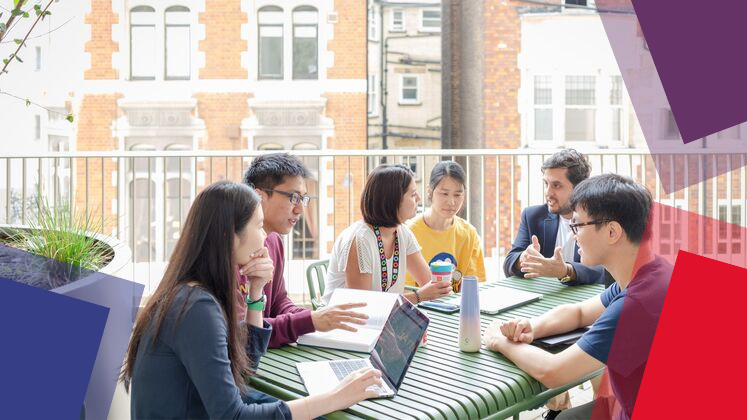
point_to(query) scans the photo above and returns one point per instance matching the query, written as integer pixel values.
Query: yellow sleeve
(476, 261)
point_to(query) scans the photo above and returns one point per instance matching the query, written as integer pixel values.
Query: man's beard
(565, 210)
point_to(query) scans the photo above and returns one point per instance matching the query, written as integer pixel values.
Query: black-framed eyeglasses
(574, 226)
(295, 198)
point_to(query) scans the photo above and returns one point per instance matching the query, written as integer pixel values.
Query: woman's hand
(259, 272)
(354, 388)
(434, 290)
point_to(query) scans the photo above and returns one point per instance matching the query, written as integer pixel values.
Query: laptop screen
(399, 339)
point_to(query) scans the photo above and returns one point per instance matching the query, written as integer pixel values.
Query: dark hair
(615, 197)
(203, 254)
(577, 164)
(447, 168)
(382, 195)
(269, 171)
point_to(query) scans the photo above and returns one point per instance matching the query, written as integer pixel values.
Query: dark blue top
(598, 340)
(623, 335)
(187, 373)
(538, 220)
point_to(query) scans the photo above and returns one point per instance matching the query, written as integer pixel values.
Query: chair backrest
(315, 275)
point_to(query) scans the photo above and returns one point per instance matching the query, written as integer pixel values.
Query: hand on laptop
(338, 317)
(354, 388)
(434, 290)
(539, 266)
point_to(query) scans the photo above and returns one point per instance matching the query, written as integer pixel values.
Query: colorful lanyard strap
(382, 257)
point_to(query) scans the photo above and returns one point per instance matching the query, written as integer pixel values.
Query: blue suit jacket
(537, 220)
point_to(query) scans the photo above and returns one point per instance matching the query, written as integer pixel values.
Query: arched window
(173, 163)
(270, 146)
(305, 43)
(141, 163)
(142, 43)
(270, 19)
(177, 42)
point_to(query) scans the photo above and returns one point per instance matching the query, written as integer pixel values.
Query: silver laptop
(392, 354)
(499, 299)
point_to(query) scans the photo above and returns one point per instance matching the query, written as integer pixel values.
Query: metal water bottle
(469, 316)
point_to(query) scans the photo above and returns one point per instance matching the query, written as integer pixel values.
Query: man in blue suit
(544, 245)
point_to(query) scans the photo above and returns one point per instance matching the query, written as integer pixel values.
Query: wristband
(417, 297)
(256, 305)
(567, 277)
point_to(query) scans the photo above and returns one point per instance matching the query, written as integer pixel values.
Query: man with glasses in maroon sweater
(280, 179)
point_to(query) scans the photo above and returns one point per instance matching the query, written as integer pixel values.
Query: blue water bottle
(469, 316)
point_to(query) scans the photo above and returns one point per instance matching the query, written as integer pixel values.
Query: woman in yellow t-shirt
(442, 233)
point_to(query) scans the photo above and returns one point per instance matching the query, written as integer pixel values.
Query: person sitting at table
(442, 234)
(280, 180)
(376, 252)
(189, 355)
(610, 225)
(544, 245)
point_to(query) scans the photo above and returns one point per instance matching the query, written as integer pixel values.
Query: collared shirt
(565, 239)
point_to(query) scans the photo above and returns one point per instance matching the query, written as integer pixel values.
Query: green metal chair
(315, 274)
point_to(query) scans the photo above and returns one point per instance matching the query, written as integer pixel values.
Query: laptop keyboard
(343, 368)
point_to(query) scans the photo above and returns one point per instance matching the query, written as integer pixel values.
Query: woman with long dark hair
(189, 355)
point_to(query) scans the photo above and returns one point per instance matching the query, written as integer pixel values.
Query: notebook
(561, 339)
(378, 308)
(392, 354)
(499, 299)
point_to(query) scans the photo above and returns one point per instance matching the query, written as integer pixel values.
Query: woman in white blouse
(377, 252)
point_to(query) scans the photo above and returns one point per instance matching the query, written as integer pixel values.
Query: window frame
(166, 27)
(260, 25)
(154, 25)
(419, 96)
(534, 107)
(403, 25)
(602, 135)
(372, 22)
(422, 27)
(295, 25)
(372, 96)
(593, 107)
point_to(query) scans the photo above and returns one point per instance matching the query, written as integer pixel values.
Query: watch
(256, 305)
(567, 276)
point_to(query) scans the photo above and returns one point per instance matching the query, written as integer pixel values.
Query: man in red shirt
(280, 179)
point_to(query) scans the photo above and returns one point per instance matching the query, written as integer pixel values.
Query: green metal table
(442, 382)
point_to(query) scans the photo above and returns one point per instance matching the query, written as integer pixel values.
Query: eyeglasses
(295, 198)
(574, 226)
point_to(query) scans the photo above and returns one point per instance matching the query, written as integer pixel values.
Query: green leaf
(5, 61)
(16, 12)
(19, 59)
(18, 41)
(37, 7)
(25, 14)
(69, 117)
(15, 3)
(28, 103)
(2, 27)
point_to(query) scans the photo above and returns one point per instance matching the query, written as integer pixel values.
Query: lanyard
(382, 257)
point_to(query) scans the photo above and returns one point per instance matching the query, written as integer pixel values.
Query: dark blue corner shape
(119, 296)
(47, 351)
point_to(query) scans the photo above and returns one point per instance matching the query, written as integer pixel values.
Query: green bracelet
(256, 305)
